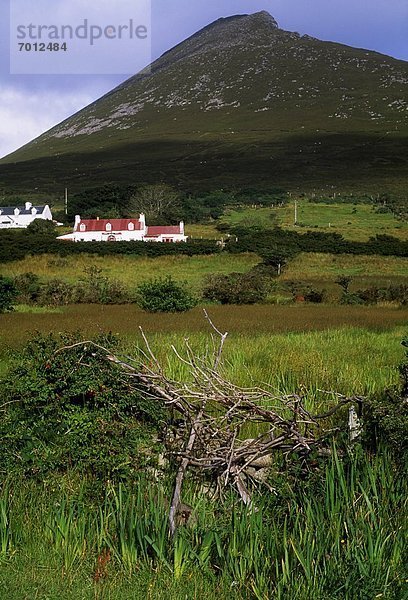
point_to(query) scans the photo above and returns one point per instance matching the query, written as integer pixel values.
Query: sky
(32, 103)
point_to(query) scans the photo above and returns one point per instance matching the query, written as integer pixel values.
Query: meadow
(353, 221)
(350, 349)
(132, 270)
(337, 533)
(315, 268)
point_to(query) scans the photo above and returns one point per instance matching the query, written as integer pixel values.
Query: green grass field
(343, 531)
(130, 270)
(353, 221)
(309, 539)
(318, 269)
(344, 348)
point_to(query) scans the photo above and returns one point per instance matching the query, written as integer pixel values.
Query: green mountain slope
(240, 103)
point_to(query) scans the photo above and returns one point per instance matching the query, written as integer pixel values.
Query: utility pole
(66, 201)
(296, 213)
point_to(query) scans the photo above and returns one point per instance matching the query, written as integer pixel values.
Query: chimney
(182, 227)
(142, 221)
(77, 222)
(28, 205)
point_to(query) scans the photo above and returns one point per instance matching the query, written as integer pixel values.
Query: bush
(41, 227)
(8, 294)
(94, 288)
(28, 287)
(165, 295)
(392, 293)
(386, 416)
(56, 293)
(313, 295)
(73, 409)
(237, 288)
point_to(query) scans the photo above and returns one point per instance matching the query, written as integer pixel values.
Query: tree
(277, 257)
(41, 226)
(8, 294)
(155, 200)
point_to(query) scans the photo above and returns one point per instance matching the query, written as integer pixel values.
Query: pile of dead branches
(213, 415)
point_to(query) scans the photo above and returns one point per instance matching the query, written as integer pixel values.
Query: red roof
(166, 230)
(117, 224)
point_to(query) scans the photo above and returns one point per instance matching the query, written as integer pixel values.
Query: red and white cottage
(123, 230)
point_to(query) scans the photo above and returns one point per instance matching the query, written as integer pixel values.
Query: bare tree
(155, 200)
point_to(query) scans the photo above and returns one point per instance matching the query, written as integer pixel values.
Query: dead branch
(216, 413)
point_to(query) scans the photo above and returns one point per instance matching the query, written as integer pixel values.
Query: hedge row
(261, 241)
(15, 245)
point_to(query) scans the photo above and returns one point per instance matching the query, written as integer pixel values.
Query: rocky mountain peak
(265, 17)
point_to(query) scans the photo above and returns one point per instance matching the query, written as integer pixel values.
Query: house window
(82, 227)
(108, 227)
(131, 227)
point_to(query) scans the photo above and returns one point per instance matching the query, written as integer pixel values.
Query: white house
(22, 216)
(126, 230)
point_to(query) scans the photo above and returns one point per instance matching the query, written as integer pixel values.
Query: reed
(340, 535)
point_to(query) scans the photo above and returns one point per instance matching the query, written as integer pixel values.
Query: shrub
(386, 415)
(41, 227)
(94, 288)
(8, 294)
(351, 299)
(56, 293)
(73, 409)
(392, 293)
(344, 282)
(237, 288)
(28, 287)
(165, 295)
(313, 295)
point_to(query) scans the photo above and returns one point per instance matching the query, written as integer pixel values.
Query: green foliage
(386, 415)
(109, 201)
(56, 292)
(164, 294)
(16, 244)
(344, 282)
(28, 287)
(391, 293)
(41, 227)
(92, 288)
(337, 533)
(304, 292)
(95, 288)
(237, 288)
(73, 409)
(262, 241)
(8, 294)
(277, 257)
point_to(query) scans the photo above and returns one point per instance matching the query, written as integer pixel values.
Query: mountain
(240, 103)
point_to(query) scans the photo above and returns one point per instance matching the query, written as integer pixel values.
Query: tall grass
(131, 270)
(341, 535)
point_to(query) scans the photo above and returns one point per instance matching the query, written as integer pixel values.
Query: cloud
(24, 115)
